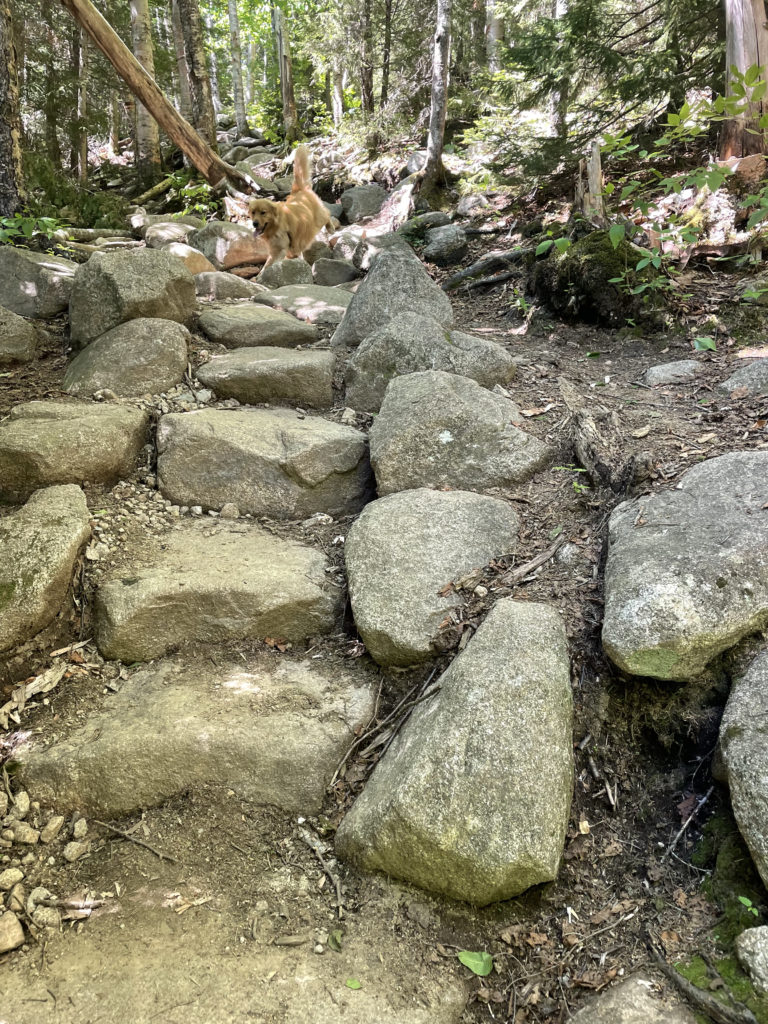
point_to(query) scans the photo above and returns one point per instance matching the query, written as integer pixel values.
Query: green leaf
(752, 74)
(562, 244)
(643, 263)
(673, 119)
(479, 963)
(335, 940)
(705, 344)
(544, 246)
(616, 234)
(756, 218)
(353, 983)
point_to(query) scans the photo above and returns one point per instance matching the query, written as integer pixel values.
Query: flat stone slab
(229, 245)
(267, 461)
(330, 272)
(253, 325)
(687, 570)
(439, 430)
(411, 343)
(396, 283)
(38, 548)
(501, 724)
(286, 272)
(680, 372)
(219, 284)
(636, 1001)
(745, 757)
(362, 202)
(44, 443)
(143, 356)
(283, 376)
(402, 552)
(752, 951)
(212, 586)
(193, 259)
(114, 287)
(163, 232)
(34, 284)
(752, 376)
(18, 338)
(273, 730)
(309, 302)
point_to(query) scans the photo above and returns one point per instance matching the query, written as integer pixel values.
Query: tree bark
(366, 60)
(185, 103)
(433, 166)
(213, 169)
(49, 109)
(283, 48)
(559, 98)
(203, 116)
(82, 109)
(237, 68)
(11, 189)
(387, 53)
(213, 68)
(147, 156)
(494, 33)
(746, 46)
(337, 99)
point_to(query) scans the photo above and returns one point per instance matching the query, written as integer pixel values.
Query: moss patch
(736, 982)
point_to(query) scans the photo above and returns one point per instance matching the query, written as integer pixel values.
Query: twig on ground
(314, 844)
(138, 842)
(686, 823)
(492, 280)
(498, 259)
(513, 576)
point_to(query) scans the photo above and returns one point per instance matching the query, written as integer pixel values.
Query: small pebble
(47, 917)
(196, 510)
(24, 833)
(349, 417)
(10, 877)
(319, 948)
(3, 804)
(17, 897)
(481, 591)
(74, 851)
(52, 829)
(204, 396)
(80, 829)
(21, 804)
(230, 511)
(11, 932)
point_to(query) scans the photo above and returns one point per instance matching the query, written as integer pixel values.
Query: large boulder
(436, 429)
(252, 325)
(268, 462)
(158, 235)
(44, 443)
(114, 287)
(18, 338)
(370, 247)
(753, 377)
(473, 797)
(395, 284)
(635, 1001)
(38, 548)
(239, 583)
(403, 552)
(412, 342)
(286, 272)
(687, 572)
(143, 356)
(446, 245)
(309, 302)
(744, 757)
(274, 738)
(282, 376)
(229, 245)
(330, 272)
(34, 284)
(682, 371)
(361, 202)
(141, 221)
(218, 284)
(193, 259)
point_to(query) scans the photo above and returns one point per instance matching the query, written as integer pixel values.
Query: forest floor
(227, 929)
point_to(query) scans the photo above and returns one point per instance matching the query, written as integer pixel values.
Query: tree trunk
(213, 169)
(147, 156)
(201, 101)
(237, 65)
(494, 33)
(49, 108)
(213, 68)
(559, 98)
(114, 121)
(283, 48)
(746, 46)
(185, 104)
(82, 109)
(387, 53)
(337, 99)
(366, 60)
(11, 190)
(433, 166)
(249, 62)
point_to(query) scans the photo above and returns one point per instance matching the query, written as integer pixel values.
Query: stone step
(249, 325)
(212, 584)
(309, 302)
(272, 729)
(269, 462)
(276, 375)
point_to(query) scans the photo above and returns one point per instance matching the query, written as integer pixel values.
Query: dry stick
(687, 822)
(499, 259)
(522, 571)
(493, 279)
(138, 842)
(408, 710)
(334, 879)
(719, 1013)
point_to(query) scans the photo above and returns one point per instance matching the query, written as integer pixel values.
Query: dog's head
(263, 214)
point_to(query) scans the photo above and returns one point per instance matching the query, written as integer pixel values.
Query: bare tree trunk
(559, 98)
(337, 99)
(283, 47)
(215, 171)
(11, 189)
(213, 67)
(114, 121)
(147, 156)
(746, 46)
(366, 59)
(82, 110)
(433, 166)
(185, 103)
(49, 109)
(201, 102)
(249, 63)
(237, 72)
(387, 53)
(494, 33)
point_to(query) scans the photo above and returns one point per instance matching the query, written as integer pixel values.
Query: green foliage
(51, 192)
(479, 963)
(192, 196)
(751, 908)
(353, 983)
(704, 344)
(23, 228)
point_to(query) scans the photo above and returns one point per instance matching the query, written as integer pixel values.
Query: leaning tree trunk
(203, 116)
(147, 157)
(11, 191)
(283, 48)
(213, 169)
(746, 46)
(185, 103)
(433, 166)
(237, 68)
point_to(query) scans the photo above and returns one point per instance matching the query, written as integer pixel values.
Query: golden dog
(289, 228)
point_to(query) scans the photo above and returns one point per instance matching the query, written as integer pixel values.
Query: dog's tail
(302, 170)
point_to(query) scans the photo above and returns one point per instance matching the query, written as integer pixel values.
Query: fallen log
(497, 259)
